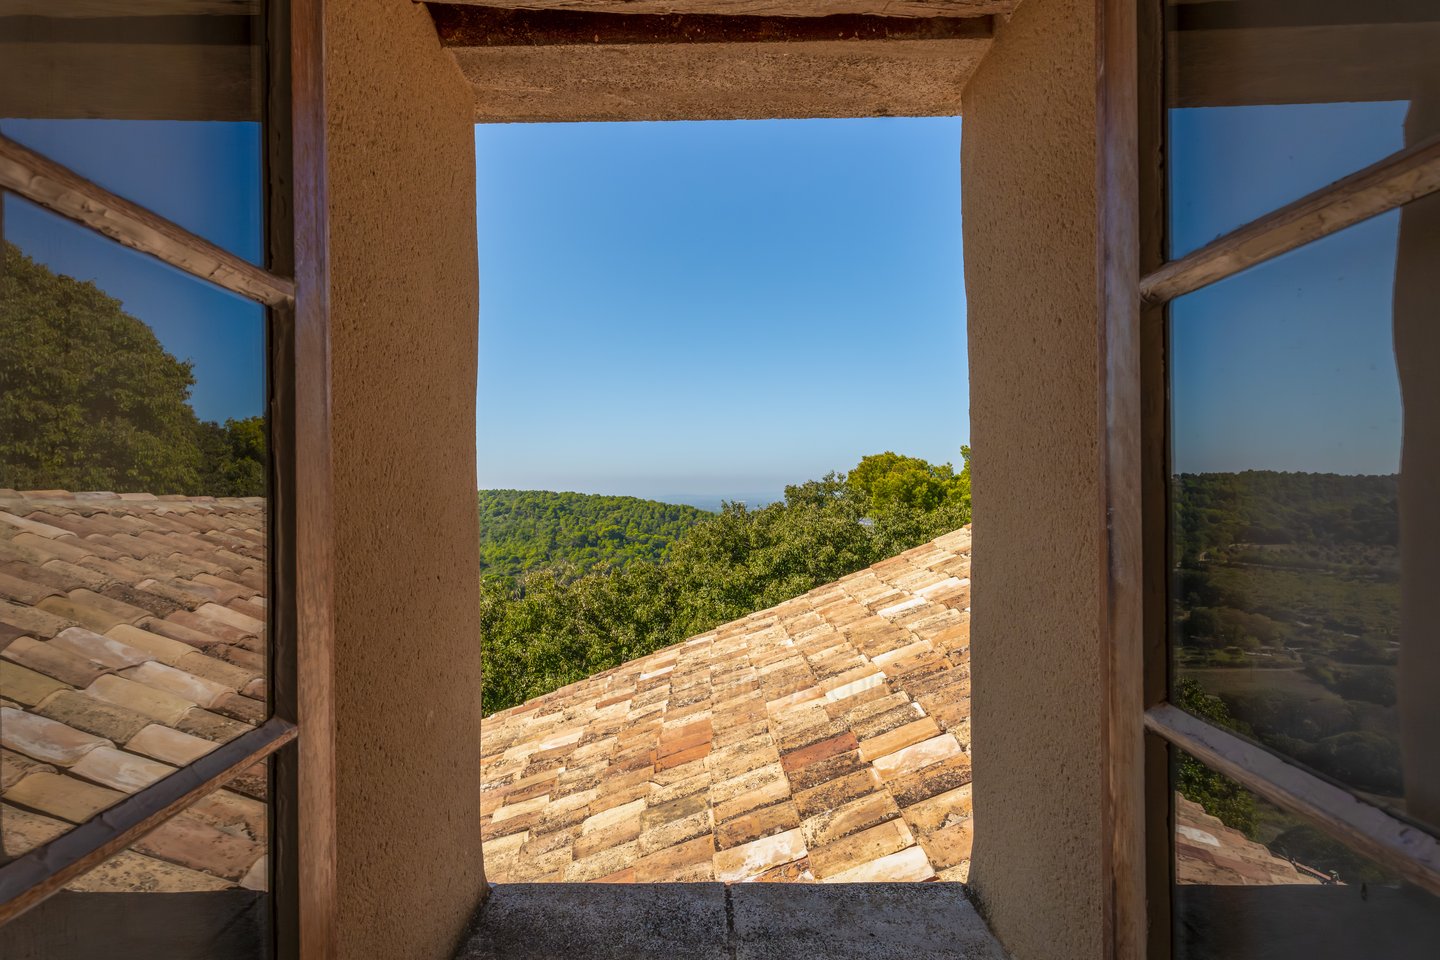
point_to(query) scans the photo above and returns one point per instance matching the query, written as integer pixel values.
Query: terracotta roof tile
(43, 739)
(62, 797)
(108, 651)
(737, 754)
(128, 871)
(120, 770)
(15, 766)
(94, 716)
(25, 685)
(153, 702)
(22, 830)
(131, 642)
(53, 661)
(171, 746)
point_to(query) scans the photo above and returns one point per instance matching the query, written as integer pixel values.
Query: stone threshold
(716, 921)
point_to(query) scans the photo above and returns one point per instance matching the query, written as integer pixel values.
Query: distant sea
(711, 501)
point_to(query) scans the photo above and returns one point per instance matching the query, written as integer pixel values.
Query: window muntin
(204, 876)
(1268, 100)
(161, 105)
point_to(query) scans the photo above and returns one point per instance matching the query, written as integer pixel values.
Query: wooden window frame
(1135, 285)
(294, 286)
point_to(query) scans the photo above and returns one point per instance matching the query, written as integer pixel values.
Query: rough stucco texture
(1028, 162)
(720, 81)
(403, 312)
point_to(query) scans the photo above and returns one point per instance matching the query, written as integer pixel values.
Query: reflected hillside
(1286, 605)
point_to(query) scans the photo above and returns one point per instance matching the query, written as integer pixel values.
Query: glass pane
(195, 888)
(1268, 101)
(160, 103)
(132, 518)
(1253, 881)
(1305, 558)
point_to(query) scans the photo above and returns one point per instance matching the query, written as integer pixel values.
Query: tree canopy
(557, 624)
(91, 400)
(522, 530)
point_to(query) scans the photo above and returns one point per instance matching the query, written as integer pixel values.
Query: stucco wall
(403, 311)
(1029, 229)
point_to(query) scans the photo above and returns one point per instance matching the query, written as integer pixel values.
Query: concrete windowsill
(715, 921)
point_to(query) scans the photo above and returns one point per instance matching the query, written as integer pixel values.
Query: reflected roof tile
(62, 797)
(120, 770)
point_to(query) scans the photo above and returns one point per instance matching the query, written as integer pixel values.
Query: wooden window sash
(1132, 509)
(1396, 844)
(58, 188)
(1403, 176)
(306, 843)
(303, 843)
(1135, 285)
(35, 875)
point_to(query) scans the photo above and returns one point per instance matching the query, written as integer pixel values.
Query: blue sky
(1290, 365)
(205, 176)
(690, 310)
(717, 308)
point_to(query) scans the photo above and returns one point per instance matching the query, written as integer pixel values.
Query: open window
(148, 675)
(1272, 528)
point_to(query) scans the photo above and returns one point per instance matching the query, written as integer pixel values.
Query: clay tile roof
(132, 641)
(825, 739)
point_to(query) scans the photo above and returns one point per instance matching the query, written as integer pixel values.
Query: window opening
(740, 650)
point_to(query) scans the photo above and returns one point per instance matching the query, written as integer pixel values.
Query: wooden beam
(1395, 845)
(477, 27)
(33, 876)
(765, 8)
(1389, 183)
(57, 188)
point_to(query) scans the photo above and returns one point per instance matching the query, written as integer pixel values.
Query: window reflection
(1269, 100)
(133, 468)
(1253, 881)
(159, 101)
(1304, 565)
(192, 889)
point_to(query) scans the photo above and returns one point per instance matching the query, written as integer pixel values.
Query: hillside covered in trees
(522, 530)
(557, 624)
(91, 400)
(1286, 612)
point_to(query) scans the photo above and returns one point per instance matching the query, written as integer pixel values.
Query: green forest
(90, 399)
(560, 622)
(523, 530)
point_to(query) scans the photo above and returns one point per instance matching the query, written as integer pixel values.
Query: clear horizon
(702, 310)
(687, 311)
